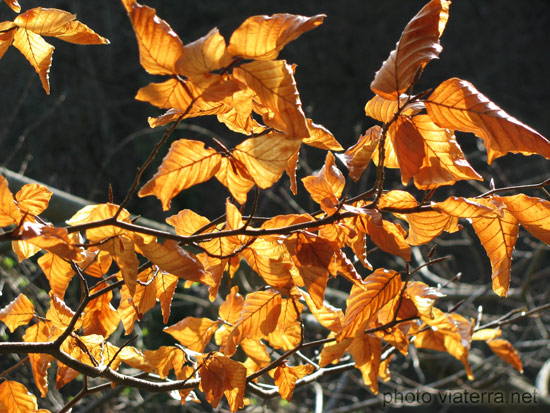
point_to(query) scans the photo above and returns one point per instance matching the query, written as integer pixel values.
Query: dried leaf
(99, 315)
(40, 363)
(359, 155)
(456, 104)
(366, 351)
(37, 51)
(532, 213)
(506, 351)
(326, 186)
(17, 313)
(320, 137)
(204, 55)
(193, 333)
(286, 377)
(16, 398)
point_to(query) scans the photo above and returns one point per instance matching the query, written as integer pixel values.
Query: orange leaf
(425, 226)
(423, 297)
(366, 351)
(16, 398)
(288, 333)
(388, 236)
(320, 137)
(444, 163)
(222, 376)
(498, 236)
(456, 104)
(286, 377)
(263, 37)
(187, 163)
(37, 51)
(312, 256)
(419, 43)
(17, 313)
(40, 363)
(99, 315)
(77, 32)
(266, 157)
(397, 199)
(465, 208)
(91, 213)
(193, 333)
(327, 315)
(408, 146)
(166, 286)
(14, 5)
(123, 252)
(326, 186)
(487, 334)
(60, 314)
(532, 213)
(274, 84)
(58, 272)
(233, 174)
(359, 155)
(204, 55)
(133, 307)
(506, 351)
(333, 351)
(258, 318)
(164, 359)
(363, 303)
(384, 110)
(55, 240)
(44, 21)
(7, 33)
(33, 198)
(159, 46)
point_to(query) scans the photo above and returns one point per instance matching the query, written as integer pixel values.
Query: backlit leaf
(17, 313)
(359, 155)
(33, 198)
(222, 376)
(285, 377)
(389, 237)
(187, 163)
(327, 315)
(58, 272)
(166, 286)
(55, 240)
(14, 5)
(133, 307)
(532, 213)
(423, 297)
(122, 250)
(37, 51)
(288, 333)
(193, 333)
(366, 351)
(204, 55)
(263, 37)
(159, 46)
(363, 303)
(99, 315)
(397, 199)
(6, 37)
(233, 174)
(320, 137)
(16, 398)
(333, 351)
(506, 351)
(408, 145)
(425, 226)
(456, 104)
(419, 43)
(274, 84)
(60, 314)
(40, 363)
(326, 186)
(164, 359)
(498, 237)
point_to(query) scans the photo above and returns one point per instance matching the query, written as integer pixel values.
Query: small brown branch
(517, 188)
(15, 366)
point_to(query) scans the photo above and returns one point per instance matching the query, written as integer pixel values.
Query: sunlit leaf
(164, 359)
(274, 84)
(487, 334)
(388, 236)
(233, 174)
(285, 377)
(159, 46)
(55, 240)
(58, 272)
(258, 318)
(506, 351)
(326, 186)
(425, 226)
(359, 155)
(122, 249)
(91, 213)
(187, 163)
(363, 303)
(456, 104)
(408, 145)
(99, 315)
(14, 5)
(263, 37)
(77, 32)
(133, 307)
(532, 213)
(397, 199)
(498, 237)
(40, 363)
(327, 315)
(423, 297)
(333, 351)
(193, 333)
(419, 43)
(204, 55)
(6, 37)
(37, 51)
(222, 376)
(16, 398)
(17, 313)
(60, 314)
(44, 21)
(320, 137)
(366, 351)
(33, 198)
(288, 333)
(166, 286)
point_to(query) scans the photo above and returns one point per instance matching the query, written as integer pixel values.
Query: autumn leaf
(122, 249)
(532, 213)
(506, 351)
(363, 303)
(33, 198)
(286, 377)
(258, 318)
(14, 5)
(233, 174)
(133, 307)
(193, 333)
(366, 351)
(425, 226)
(274, 84)
(166, 286)
(60, 314)
(320, 137)
(408, 145)
(326, 186)
(204, 55)
(16, 398)
(288, 333)
(419, 43)
(263, 37)
(164, 359)
(359, 155)
(99, 315)
(222, 376)
(456, 104)
(187, 163)
(40, 363)
(17, 313)
(327, 315)
(58, 272)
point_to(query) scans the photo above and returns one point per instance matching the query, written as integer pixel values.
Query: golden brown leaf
(164, 359)
(397, 199)
(193, 333)
(7, 35)
(388, 236)
(532, 213)
(320, 137)
(326, 186)
(288, 333)
(258, 318)
(16, 398)
(285, 377)
(204, 55)
(425, 226)
(60, 314)
(99, 315)
(14, 5)
(55, 240)
(122, 249)
(327, 315)
(506, 351)
(37, 51)
(312, 256)
(234, 175)
(159, 46)
(256, 350)
(408, 145)
(274, 84)
(263, 37)
(166, 286)
(359, 155)
(266, 157)
(222, 376)
(456, 104)
(465, 208)
(33, 198)
(187, 163)
(487, 334)
(419, 43)
(17, 313)
(133, 307)
(341, 264)
(498, 237)
(91, 213)
(423, 297)
(444, 163)
(366, 351)
(363, 303)
(40, 363)
(58, 272)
